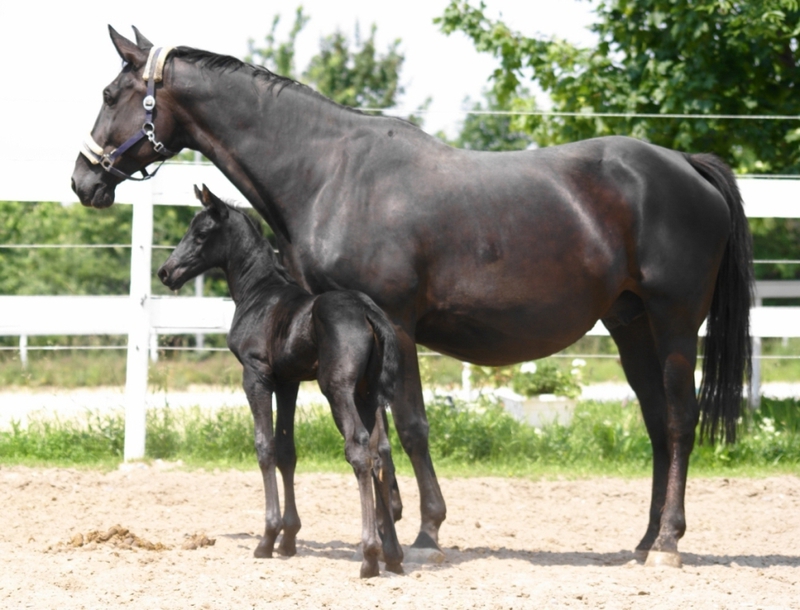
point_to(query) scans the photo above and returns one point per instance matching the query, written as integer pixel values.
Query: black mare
(492, 258)
(282, 335)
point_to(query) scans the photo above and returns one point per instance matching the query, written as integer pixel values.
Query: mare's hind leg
(674, 333)
(260, 398)
(642, 369)
(286, 398)
(412, 428)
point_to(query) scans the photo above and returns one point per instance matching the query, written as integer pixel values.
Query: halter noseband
(153, 73)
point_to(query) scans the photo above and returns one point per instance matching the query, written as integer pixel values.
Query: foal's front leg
(286, 397)
(259, 395)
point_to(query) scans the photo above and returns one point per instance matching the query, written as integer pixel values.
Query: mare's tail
(389, 352)
(728, 347)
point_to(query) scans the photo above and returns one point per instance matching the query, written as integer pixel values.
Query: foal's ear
(141, 41)
(211, 201)
(127, 50)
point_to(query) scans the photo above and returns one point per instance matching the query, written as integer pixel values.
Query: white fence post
(139, 334)
(23, 351)
(198, 293)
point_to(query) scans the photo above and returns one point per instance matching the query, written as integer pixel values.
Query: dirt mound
(196, 541)
(116, 536)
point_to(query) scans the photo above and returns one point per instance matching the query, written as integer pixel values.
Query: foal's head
(215, 234)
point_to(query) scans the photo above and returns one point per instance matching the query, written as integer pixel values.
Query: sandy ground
(509, 543)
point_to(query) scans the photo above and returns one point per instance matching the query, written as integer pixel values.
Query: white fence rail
(141, 315)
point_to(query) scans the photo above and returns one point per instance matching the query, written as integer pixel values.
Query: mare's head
(214, 236)
(131, 131)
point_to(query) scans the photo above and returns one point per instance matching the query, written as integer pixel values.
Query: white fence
(140, 316)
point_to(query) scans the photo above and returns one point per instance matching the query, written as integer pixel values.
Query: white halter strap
(158, 75)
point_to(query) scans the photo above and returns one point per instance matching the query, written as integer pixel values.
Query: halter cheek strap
(153, 73)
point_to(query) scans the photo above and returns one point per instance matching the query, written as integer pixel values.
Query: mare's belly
(495, 338)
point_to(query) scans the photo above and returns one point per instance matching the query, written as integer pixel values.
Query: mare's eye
(108, 99)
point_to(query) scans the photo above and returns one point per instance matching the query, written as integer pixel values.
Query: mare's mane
(214, 61)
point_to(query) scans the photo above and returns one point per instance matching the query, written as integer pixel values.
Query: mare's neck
(274, 141)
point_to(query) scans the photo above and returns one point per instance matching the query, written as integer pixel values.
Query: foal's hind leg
(286, 398)
(383, 476)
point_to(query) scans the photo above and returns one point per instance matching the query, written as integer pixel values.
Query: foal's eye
(108, 99)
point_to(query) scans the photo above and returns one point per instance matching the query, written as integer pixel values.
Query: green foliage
(278, 56)
(776, 239)
(602, 438)
(357, 77)
(97, 439)
(492, 132)
(60, 271)
(529, 379)
(660, 57)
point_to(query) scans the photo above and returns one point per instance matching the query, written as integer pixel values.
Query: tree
(357, 77)
(489, 131)
(707, 57)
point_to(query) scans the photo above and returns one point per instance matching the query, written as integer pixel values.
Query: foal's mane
(214, 61)
(256, 229)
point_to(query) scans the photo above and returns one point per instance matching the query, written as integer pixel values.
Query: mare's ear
(215, 203)
(127, 50)
(141, 41)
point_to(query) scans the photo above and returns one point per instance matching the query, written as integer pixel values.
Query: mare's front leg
(412, 428)
(259, 395)
(286, 398)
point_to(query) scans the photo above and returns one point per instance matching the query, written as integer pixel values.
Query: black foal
(283, 335)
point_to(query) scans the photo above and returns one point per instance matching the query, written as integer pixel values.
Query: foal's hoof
(396, 568)
(640, 554)
(658, 559)
(370, 569)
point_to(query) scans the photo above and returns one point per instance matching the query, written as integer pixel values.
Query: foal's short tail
(390, 352)
(728, 347)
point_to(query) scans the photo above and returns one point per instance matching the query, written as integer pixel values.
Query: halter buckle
(149, 102)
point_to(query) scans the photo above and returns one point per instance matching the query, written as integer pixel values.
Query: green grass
(465, 440)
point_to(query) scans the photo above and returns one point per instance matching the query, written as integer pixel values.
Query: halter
(153, 73)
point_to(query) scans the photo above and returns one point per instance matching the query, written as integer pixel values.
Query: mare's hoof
(287, 549)
(412, 554)
(657, 559)
(396, 568)
(640, 554)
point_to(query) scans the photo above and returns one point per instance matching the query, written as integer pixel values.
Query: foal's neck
(251, 267)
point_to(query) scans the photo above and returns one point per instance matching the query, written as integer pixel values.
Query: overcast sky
(57, 57)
